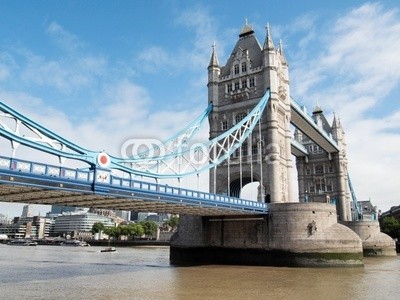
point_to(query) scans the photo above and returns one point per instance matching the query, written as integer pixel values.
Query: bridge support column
(292, 234)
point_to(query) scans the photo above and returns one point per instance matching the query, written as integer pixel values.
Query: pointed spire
(214, 59)
(268, 44)
(280, 50)
(335, 122)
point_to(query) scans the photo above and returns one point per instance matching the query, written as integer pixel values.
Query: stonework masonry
(375, 242)
(293, 234)
(234, 90)
(305, 233)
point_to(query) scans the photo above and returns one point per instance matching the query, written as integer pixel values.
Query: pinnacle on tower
(268, 44)
(280, 50)
(334, 122)
(214, 59)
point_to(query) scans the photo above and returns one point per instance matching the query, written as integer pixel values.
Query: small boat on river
(22, 242)
(109, 249)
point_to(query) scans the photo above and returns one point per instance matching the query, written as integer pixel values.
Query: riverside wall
(292, 234)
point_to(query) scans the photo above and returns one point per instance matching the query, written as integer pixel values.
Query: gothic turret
(213, 76)
(268, 44)
(282, 54)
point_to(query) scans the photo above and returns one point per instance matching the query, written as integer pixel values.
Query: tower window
(229, 87)
(244, 83)
(254, 149)
(236, 69)
(224, 125)
(244, 67)
(240, 117)
(244, 149)
(252, 82)
(319, 169)
(236, 85)
(316, 149)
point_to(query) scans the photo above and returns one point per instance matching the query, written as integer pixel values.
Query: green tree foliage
(135, 230)
(391, 226)
(150, 227)
(114, 232)
(173, 222)
(97, 227)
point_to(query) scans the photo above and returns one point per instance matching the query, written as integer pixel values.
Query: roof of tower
(214, 59)
(246, 30)
(317, 110)
(318, 113)
(248, 44)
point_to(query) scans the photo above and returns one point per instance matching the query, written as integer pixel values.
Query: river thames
(61, 272)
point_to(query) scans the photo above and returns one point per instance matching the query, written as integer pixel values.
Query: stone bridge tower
(322, 176)
(234, 89)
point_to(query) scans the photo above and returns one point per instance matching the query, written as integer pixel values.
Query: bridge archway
(248, 187)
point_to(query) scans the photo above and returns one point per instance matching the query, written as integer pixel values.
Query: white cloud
(63, 38)
(196, 49)
(64, 74)
(355, 71)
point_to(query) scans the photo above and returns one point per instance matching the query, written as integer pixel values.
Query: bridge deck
(21, 182)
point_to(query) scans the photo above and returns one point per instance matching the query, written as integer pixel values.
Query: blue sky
(100, 72)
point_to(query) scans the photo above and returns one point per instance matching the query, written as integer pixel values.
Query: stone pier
(292, 234)
(374, 242)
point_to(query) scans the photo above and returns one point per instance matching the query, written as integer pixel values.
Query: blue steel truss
(358, 216)
(40, 138)
(178, 141)
(201, 157)
(177, 160)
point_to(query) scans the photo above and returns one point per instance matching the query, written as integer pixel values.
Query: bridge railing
(44, 169)
(197, 195)
(87, 176)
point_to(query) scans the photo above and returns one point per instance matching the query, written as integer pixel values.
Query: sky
(101, 72)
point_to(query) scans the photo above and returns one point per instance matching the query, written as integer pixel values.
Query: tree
(114, 232)
(391, 226)
(135, 230)
(97, 227)
(150, 227)
(173, 222)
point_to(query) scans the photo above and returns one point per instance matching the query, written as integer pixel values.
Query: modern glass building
(79, 222)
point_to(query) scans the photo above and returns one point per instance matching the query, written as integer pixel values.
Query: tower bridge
(250, 113)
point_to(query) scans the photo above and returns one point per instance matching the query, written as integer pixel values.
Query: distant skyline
(101, 72)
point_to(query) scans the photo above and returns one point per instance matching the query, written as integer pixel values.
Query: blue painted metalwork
(43, 139)
(359, 215)
(213, 153)
(181, 139)
(168, 165)
(101, 182)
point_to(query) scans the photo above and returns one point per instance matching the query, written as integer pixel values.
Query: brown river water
(62, 272)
